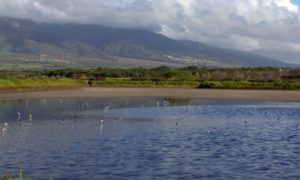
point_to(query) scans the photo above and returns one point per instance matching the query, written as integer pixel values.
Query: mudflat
(270, 95)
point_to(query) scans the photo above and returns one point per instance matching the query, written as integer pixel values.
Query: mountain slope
(99, 42)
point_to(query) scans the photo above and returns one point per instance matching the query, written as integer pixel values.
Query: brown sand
(270, 95)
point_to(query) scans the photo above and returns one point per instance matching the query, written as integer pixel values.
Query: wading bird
(18, 116)
(5, 127)
(30, 116)
(101, 123)
(157, 104)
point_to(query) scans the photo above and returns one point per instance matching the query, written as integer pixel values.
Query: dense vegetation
(231, 78)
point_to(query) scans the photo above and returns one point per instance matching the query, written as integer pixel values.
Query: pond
(150, 138)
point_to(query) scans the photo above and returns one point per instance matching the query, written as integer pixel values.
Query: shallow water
(147, 138)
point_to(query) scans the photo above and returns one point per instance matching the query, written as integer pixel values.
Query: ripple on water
(138, 140)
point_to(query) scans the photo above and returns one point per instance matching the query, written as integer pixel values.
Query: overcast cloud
(268, 27)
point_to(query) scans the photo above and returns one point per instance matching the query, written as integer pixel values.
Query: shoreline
(214, 94)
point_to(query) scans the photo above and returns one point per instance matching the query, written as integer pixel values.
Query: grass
(51, 83)
(39, 83)
(9, 176)
(144, 83)
(19, 66)
(195, 84)
(250, 85)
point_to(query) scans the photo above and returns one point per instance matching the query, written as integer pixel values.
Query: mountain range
(24, 41)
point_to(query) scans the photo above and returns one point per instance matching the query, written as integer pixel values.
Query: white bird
(157, 104)
(165, 103)
(107, 107)
(44, 101)
(19, 116)
(5, 127)
(30, 116)
(27, 104)
(101, 123)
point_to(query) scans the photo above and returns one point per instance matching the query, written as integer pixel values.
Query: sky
(297, 2)
(266, 27)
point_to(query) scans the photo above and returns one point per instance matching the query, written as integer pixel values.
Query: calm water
(153, 138)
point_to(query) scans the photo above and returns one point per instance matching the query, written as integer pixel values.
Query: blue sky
(296, 2)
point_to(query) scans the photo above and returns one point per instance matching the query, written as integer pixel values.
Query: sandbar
(267, 95)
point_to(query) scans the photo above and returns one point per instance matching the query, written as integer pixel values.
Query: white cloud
(287, 4)
(259, 25)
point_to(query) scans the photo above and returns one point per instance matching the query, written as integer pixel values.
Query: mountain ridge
(95, 41)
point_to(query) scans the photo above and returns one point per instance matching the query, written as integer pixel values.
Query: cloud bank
(267, 27)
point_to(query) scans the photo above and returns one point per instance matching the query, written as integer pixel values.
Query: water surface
(147, 138)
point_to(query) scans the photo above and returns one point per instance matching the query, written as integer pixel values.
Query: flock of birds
(83, 105)
(86, 105)
(19, 118)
